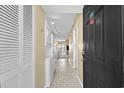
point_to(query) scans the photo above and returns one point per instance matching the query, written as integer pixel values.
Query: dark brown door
(103, 46)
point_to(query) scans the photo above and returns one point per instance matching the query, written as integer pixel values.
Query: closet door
(27, 63)
(9, 46)
(16, 65)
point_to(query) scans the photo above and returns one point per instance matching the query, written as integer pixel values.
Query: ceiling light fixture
(52, 23)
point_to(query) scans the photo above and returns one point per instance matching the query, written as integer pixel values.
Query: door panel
(27, 47)
(99, 35)
(16, 46)
(103, 64)
(9, 45)
(112, 44)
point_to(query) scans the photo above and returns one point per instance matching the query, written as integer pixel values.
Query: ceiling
(63, 17)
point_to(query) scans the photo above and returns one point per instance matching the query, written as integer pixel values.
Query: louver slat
(9, 38)
(27, 34)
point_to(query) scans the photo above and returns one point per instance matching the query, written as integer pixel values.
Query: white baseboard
(81, 83)
(45, 86)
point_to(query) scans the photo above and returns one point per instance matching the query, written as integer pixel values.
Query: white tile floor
(65, 76)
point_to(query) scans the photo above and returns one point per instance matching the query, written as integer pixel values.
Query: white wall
(50, 54)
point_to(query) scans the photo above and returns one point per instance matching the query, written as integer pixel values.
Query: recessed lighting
(52, 23)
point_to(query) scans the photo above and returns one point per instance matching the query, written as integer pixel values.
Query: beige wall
(39, 47)
(70, 41)
(80, 47)
(78, 26)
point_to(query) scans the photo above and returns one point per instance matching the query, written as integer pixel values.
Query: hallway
(63, 36)
(65, 76)
(34, 43)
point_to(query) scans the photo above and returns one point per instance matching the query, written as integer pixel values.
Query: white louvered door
(16, 68)
(27, 46)
(9, 46)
